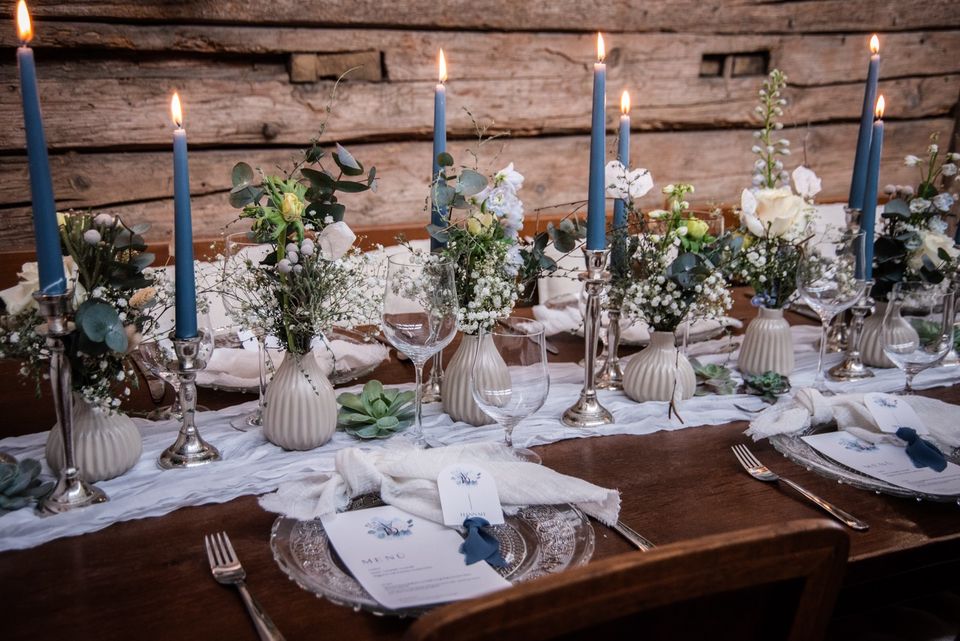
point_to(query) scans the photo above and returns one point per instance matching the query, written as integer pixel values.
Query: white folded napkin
(810, 408)
(406, 478)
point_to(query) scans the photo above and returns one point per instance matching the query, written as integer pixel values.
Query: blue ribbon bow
(480, 545)
(922, 453)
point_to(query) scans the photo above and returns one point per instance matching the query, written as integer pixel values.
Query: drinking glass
(510, 380)
(242, 253)
(917, 330)
(829, 282)
(419, 314)
(160, 359)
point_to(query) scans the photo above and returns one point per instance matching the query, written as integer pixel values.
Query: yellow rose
(473, 226)
(696, 228)
(292, 207)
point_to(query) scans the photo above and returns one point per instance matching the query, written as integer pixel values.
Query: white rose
(508, 175)
(776, 210)
(748, 209)
(932, 243)
(335, 240)
(806, 183)
(20, 296)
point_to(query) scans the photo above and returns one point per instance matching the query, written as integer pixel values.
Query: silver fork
(761, 472)
(638, 540)
(227, 570)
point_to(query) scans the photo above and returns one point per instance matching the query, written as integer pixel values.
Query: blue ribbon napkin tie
(480, 544)
(922, 453)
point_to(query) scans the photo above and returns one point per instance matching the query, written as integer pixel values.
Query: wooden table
(150, 579)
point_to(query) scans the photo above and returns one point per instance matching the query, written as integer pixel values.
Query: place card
(404, 561)
(892, 412)
(467, 491)
(886, 462)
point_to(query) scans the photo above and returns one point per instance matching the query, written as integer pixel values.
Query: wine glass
(419, 314)
(160, 359)
(917, 330)
(510, 380)
(242, 253)
(829, 278)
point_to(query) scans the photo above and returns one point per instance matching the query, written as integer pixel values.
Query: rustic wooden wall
(107, 69)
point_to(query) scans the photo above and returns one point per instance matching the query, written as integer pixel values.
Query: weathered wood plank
(411, 55)
(124, 105)
(717, 162)
(704, 16)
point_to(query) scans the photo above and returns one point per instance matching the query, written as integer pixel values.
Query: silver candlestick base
(610, 376)
(852, 368)
(431, 389)
(189, 450)
(587, 411)
(71, 491)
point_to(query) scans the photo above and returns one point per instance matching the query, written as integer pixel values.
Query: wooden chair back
(773, 582)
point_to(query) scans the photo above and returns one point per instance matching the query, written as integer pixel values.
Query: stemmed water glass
(917, 330)
(829, 280)
(510, 380)
(240, 254)
(419, 314)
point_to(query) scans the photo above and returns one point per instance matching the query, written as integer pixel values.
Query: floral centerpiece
(312, 278)
(775, 220)
(677, 276)
(117, 298)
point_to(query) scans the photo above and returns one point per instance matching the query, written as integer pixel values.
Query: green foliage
(20, 485)
(713, 379)
(929, 332)
(767, 386)
(376, 412)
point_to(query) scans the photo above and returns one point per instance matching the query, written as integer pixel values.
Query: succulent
(19, 485)
(768, 385)
(376, 412)
(712, 378)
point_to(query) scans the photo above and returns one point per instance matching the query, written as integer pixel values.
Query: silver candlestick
(431, 389)
(852, 368)
(189, 450)
(610, 375)
(587, 411)
(71, 491)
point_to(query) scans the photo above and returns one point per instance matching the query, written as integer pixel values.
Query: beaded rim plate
(537, 540)
(797, 450)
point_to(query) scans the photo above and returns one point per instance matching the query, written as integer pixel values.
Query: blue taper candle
(438, 215)
(185, 295)
(858, 182)
(45, 227)
(868, 219)
(596, 195)
(623, 155)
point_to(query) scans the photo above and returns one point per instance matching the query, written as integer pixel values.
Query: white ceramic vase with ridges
(300, 408)
(456, 387)
(871, 341)
(105, 445)
(660, 372)
(767, 345)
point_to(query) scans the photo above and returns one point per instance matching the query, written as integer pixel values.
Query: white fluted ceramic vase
(105, 445)
(767, 345)
(871, 342)
(300, 408)
(660, 372)
(456, 386)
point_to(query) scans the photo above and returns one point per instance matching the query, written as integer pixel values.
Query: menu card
(886, 462)
(404, 561)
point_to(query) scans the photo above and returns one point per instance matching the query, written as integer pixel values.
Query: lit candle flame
(24, 27)
(601, 49)
(881, 104)
(443, 67)
(625, 103)
(874, 44)
(175, 110)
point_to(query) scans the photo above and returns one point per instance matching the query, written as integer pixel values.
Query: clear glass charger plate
(797, 450)
(537, 540)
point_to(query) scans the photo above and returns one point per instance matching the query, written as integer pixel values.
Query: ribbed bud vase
(767, 345)
(871, 341)
(659, 372)
(456, 387)
(300, 408)
(105, 445)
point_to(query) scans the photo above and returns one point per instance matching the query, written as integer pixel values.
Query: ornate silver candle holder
(71, 491)
(610, 375)
(852, 368)
(431, 389)
(587, 411)
(189, 450)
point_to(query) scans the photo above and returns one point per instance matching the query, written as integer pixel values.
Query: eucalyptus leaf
(319, 178)
(241, 175)
(346, 158)
(444, 159)
(349, 187)
(471, 182)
